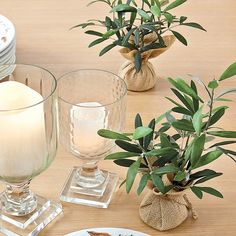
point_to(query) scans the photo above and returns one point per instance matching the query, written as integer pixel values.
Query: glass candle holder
(28, 144)
(90, 100)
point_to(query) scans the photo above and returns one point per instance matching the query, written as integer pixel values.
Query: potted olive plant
(144, 29)
(170, 153)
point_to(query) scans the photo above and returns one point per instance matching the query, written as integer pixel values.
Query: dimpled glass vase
(90, 100)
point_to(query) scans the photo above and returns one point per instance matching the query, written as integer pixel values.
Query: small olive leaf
(157, 181)
(143, 14)
(109, 33)
(223, 134)
(83, 25)
(149, 138)
(197, 121)
(127, 36)
(223, 143)
(227, 151)
(217, 116)
(213, 84)
(223, 100)
(108, 22)
(174, 4)
(138, 61)
(92, 32)
(121, 155)
(122, 183)
(138, 121)
(160, 152)
(197, 192)
(132, 17)
(151, 46)
(182, 99)
(183, 124)
(147, 2)
(197, 149)
(156, 2)
(123, 8)
(194, 25)
(128, 146)
(181, 175)
(211, 191)
(230, 71)
(169, 117)
(95, 1)
(155, 10)
(161, 161)
(131, 174)
(182, 19)
(227, 91)
(162, 2)
(182, 110)
(204, 179)
(136, 37)
(207, 158)
(127, 163)
(182, 86)
(202, 173)
(168, 17)
(180, 37)
(112, 135)
(186, 88)
(165, 170)
(165, 142)
(195, 101)
(106, 49)
(97, 41)
(143, 183)
(174, 102)
(141, 132)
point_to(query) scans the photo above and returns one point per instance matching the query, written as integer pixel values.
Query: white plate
(9, 48)
(5, 58)
(111, 231)
(7, 32)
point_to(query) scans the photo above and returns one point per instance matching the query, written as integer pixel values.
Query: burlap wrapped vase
(146, 78)
(164, 212)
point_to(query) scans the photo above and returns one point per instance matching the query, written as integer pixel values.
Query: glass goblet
(90, 100)
(28, 144)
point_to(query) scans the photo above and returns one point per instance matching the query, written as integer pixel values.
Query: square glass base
(32, 223)
(97, 197)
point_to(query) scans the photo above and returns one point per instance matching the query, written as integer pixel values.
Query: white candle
(85, 122)
(23, 149)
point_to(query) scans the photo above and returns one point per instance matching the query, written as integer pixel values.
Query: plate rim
(11, 25)
(102, 228)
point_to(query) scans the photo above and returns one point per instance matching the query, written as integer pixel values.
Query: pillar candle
(23, 149)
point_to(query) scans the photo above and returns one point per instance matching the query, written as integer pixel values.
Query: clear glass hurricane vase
(28, 138)
(90, 100)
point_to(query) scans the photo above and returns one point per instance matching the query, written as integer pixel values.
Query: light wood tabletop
(44, 38)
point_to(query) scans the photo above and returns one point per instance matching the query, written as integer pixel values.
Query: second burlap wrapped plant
(144, 29)
(168, 154)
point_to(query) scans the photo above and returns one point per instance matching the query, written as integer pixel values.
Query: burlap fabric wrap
(164, 212)
(146, 78)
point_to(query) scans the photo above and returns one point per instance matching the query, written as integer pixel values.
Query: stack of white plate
(7, 46)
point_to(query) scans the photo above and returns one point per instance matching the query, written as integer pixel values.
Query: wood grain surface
(44, 38)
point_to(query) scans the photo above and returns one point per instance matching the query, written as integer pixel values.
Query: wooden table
(43, 38)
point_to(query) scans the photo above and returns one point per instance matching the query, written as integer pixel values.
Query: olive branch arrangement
(131, 22)
(179, 153)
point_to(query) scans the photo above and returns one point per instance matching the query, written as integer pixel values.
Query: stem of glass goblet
(18, 200)
(90, 176)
